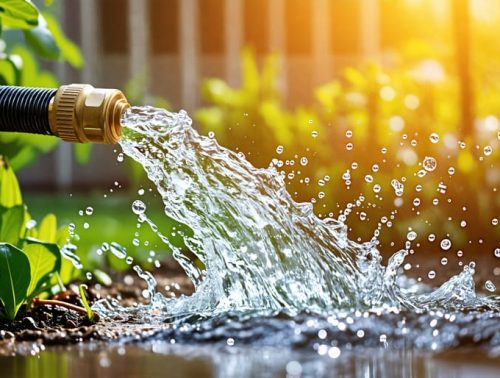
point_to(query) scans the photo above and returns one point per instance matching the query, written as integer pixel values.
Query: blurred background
(346, 97)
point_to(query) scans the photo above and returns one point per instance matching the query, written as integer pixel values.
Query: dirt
(56, 325)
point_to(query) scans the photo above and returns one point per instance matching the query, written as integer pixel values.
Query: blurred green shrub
(21, 20)
(370, 121)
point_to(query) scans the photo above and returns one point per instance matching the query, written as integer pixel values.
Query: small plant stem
(55, 302)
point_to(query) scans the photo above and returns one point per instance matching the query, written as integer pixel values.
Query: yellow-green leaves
(18, 14)
(15, 278)
(10, 194)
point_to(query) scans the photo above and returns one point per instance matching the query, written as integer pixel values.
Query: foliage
(31, 260)
(371, 121)
(90, 313)
(43, 38)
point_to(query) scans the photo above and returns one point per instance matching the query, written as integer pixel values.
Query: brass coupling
(80, 113)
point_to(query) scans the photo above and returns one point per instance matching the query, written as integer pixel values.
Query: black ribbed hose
(25, 110)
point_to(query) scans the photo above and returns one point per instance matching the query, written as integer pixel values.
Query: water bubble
(445, 244)
(321, 195)
(416, 202)
(431, 274)
(429, 164)
(377, 188)
(30, 224)
(497, 252)
(418, 188)
(354, 165)
(129, 260)
(135, 242)
(442, 188)
(138, 207)
(412, 235)
(71, 229)
(348, 133)
(86, 226)
(89, 210)
(490, 286)
(487, 150)
(119, 157)
(451, 171)
(211, 134)
(346, 175)
(88, 275)
(303, 161)
(279, 149)
(349, 146)
(375, 168)
(398, 187)
(460, 253)
(140, 192)
(314, 134)
(444, 261)
(362, 216)
(435, 201)
(421, 173)
(431, 237)
(463, 224)
(383, 150)
(117, 250)
(434, 138)
(369, 178)
(494, 221)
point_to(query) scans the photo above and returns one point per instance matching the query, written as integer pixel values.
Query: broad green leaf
(18, 14)
(47, 231)
(45, 260)
(15, 278)
(11, 223)
(68, 50)
(10, 194)
(42, 41)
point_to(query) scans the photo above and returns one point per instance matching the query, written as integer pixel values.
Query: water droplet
(303, 161)
(349, 146)
(494, 221)
(369, 178)
(431, 274)
(88, 275)
(377, 188)
(490, 286)
(431, 237)
(487, 150)
(314, 134)
(129, 260)
(31, 224)
(429, 164)
(451, 171)
(497, 252)
(442, 188)
(119, 157)
(416, 202)
(354, 165)
(86, 226)
(138, 207)
(398, 187)
(463, 224)
(279, 149)
(348, 133)
(444, 261)
(135, 242)
(140, 192)
(89, 210)
(434, 138)
(211, 134)
(362, 216)
(445, 244)
(412, 235)
(117, 250)
(375, 168)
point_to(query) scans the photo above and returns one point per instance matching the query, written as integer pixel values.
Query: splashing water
(263, 252)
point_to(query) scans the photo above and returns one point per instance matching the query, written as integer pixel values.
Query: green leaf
(10, 194)
(83, 152)
(15, 278)
(18, 14)
(11, 223)
(47, 231)
(42, 41)
(45, 260)
(102, 277)
(68, 50)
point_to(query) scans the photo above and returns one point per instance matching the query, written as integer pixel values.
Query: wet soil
(57, 325)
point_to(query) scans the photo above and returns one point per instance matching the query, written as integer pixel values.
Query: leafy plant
(90, 314)
(31, 262)
(43, 38)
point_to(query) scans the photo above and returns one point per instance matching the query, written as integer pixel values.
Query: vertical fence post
(321, 41)
(234, 35)
(138, 23)
(276, 22)
(189, 52)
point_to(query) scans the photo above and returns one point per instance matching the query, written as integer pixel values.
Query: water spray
(77, 113)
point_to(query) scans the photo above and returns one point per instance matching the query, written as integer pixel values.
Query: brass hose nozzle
(81, 113)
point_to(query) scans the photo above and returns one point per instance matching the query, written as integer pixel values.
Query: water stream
(271, 266)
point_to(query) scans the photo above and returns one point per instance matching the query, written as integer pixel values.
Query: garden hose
(76, 113)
